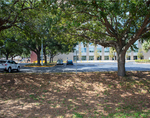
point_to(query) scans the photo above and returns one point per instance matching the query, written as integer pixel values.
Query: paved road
(87, 67)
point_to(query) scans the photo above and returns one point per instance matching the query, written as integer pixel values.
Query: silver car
(59, 62)
(9, 65)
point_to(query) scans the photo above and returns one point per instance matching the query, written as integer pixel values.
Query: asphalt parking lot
(86, 67)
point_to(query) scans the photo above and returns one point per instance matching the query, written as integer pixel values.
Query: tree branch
(94, 31)
(96, 41)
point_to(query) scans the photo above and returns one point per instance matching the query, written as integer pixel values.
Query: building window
(128, 58)
(135, 57)
(99, 58)
(106, 49)
(142, 57)
(91, 50)
(106, 57)
(99, 49)
(114, 58)
(83, 50)
(83, 57)
(91, 57)
(75, 57)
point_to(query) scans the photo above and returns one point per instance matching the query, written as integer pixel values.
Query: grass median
(44, 65)
(142, 61)
(70, 95)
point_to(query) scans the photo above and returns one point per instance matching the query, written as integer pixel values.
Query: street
(87, 67)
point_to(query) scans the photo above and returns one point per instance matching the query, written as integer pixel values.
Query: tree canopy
(117, 24)
(13, 12)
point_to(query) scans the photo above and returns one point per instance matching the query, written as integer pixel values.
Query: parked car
(59, 62)
(9, 65)
(69, 62)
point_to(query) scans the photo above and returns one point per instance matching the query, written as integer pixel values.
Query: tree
(140, 54)
(80, 52)
(10, 48)
(96, 53)
(46, 28)
(112, 52)
(127, 53)
(12, 12)
(118, 24)
(56, 47)
(32, 32)
(146, 46)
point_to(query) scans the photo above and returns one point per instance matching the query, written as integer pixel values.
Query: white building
(92, 52)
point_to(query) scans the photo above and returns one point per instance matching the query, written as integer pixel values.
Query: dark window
(91, 57)
(75, 57)
(106, 57)
(135, 57)
(142, 57)
(83, 57)
(128, 58)
(99, 58)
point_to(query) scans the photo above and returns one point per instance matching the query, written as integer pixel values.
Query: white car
(9, 65)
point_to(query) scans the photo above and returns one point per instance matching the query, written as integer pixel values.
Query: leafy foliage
(13, 12)
(10, 47)
(140, 54)
(108, 23)
(146, 46)
(112, 52)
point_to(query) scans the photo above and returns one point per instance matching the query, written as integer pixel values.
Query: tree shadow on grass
(67, 95)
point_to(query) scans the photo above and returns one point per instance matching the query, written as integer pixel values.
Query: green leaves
(146, 46)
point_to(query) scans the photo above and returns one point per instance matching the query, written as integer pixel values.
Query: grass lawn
(142, 61)
(67, 95)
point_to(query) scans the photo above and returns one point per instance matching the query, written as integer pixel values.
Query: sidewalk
(96, 61)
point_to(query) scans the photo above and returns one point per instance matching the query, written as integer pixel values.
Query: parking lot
(86, 67)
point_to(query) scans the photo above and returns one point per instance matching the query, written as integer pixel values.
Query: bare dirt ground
(70, 95)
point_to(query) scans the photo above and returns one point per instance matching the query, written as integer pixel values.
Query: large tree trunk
(45, 59)
(50, 60)
(45, 56)
(38, 58)
(6, 56)
(121, 64)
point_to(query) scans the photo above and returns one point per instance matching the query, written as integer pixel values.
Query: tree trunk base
(121, 65)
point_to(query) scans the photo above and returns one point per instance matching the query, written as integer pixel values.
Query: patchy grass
(142, 61)
(70, 95)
